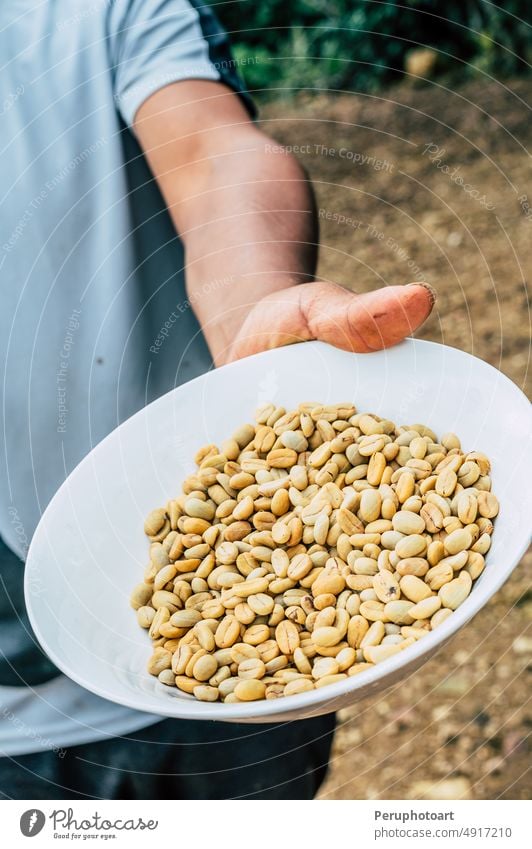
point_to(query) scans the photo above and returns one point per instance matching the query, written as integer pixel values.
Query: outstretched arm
(245, 212)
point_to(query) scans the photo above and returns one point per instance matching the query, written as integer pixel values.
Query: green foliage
(361, 44)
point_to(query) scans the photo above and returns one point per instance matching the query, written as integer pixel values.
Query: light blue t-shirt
(94, 317)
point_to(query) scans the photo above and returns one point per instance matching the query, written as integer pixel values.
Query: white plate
(89, 549)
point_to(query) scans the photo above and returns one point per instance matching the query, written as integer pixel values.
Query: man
(123, 125)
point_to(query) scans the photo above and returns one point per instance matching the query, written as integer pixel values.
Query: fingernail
(430, 289)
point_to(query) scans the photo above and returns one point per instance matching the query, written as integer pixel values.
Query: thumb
(367, 322)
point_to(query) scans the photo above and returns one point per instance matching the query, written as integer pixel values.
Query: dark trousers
(173, 759)
(181, 760)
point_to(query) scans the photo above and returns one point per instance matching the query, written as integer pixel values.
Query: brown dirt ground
(459, 726)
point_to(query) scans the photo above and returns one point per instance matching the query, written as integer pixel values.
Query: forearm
(249, 231)
(243, 208)
(245, 212)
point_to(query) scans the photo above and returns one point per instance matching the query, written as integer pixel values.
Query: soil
(434, 184)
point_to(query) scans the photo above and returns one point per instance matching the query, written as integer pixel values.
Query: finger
(386, 316)
(372, 321)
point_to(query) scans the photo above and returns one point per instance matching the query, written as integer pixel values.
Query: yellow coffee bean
(256, 634)
(453, 594)
(457, 541)
(227, 632)
(253, 667)
(250, 690)
(407, 522)
(414, 588)
(287, 636)
(370, 505)
(426, 608)
(154, 522)
(386, 586)
(414, 545)
(301, 685)
(204, 668)
(326, 636)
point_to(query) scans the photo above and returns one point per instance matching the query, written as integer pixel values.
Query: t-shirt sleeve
(157, 42)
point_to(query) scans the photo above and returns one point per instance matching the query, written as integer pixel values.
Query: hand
(330, 313)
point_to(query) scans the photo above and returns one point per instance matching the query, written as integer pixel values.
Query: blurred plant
(364, 43)
(504, 43)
